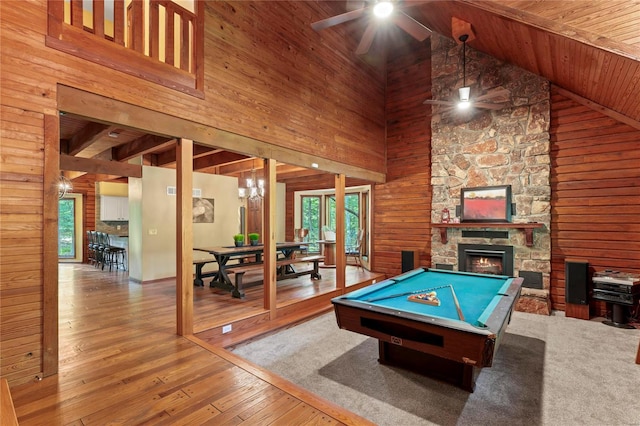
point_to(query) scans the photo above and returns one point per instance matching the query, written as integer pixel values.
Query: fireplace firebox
(485, 259)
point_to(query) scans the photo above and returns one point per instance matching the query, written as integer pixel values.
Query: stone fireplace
(483, 148)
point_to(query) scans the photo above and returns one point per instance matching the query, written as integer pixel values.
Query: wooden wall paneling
(401, 218)
(21, 243)
(595, 194)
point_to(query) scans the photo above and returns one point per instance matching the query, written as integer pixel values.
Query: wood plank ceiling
(590, 48)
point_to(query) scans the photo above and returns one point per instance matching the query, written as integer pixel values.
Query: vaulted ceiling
(589, 48)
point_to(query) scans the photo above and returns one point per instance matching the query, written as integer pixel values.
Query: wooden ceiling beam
(89, 165)
(84, 138)
(217, 159)
(143, 145)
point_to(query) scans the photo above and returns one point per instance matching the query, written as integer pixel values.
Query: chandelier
(254, 189)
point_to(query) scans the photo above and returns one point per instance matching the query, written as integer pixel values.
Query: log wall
(595, 187)
(401, 206)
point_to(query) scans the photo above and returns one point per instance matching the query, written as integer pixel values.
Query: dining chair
(355, 250)
(300, 235)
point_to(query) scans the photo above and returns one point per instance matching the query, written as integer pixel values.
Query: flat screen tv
(486, 204)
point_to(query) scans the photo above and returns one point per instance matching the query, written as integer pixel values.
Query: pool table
(449, 342)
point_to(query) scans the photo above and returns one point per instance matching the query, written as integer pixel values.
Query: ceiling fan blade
(412, 27)
(485, 105)
(435, 102)
(338, 19)
(367, 38)
(495, 94)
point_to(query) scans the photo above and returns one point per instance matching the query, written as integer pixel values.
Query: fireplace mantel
(527, 228)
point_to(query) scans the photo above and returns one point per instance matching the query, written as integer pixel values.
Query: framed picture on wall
(203, 210)
(486, 204)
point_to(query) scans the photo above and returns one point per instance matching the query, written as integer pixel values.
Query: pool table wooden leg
(638, 354)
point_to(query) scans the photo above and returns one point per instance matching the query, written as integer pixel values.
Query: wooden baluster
(77, 13)
(154, 30)
(98, 18)
(118, 22)
(169, 35)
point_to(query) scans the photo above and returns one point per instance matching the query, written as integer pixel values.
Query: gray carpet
(548, 371)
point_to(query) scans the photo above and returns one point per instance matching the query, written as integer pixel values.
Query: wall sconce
(64, 186)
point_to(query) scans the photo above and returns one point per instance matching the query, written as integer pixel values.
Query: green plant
(254, 236)
(238, 238)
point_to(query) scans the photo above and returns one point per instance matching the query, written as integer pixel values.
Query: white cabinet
(114, 208)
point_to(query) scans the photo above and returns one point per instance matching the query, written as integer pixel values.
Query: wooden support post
(184, 236)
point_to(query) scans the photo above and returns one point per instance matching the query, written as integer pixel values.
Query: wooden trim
(341, 258)
(50, 245)
(184, 237)
(100, 108)
(597, 107)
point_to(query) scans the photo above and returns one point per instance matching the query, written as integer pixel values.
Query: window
(351, 217)
(311, 216)
(66, 228)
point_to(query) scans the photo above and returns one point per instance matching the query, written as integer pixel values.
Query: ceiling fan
(464, 92)
(380, 10)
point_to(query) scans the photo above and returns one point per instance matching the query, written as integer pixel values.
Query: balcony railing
(117, 35)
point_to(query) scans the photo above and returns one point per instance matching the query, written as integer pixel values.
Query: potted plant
(239, 240)
(253, 238)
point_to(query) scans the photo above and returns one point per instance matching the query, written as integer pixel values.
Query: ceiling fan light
(464, 94)
(383, 9)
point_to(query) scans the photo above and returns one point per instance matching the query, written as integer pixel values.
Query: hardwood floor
(122, 363)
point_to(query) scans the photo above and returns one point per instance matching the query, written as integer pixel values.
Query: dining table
(229, 257)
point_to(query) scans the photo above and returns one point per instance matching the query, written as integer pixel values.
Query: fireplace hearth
(486, 259)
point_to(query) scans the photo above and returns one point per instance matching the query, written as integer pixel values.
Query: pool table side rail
(500, 316)
(467, 345)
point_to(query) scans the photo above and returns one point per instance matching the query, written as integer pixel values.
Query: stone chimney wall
(483, 147)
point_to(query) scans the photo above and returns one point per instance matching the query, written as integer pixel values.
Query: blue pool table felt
(477, 294)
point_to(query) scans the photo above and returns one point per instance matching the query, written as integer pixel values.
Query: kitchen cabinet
(113, 208)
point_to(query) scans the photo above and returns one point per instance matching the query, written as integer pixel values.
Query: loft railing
(173, 35)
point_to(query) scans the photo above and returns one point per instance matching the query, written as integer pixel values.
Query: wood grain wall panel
(401, 217)
(21, 157)
(595, 182)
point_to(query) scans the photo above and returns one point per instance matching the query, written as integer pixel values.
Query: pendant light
(464, 91)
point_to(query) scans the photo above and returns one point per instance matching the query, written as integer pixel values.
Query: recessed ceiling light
(315, 165)
(113, 134)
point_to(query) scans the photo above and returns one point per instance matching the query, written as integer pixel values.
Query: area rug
(547, 370)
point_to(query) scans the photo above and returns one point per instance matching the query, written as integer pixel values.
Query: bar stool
(115, 254)
(91, 248)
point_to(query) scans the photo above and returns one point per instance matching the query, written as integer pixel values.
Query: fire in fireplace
(485, 259)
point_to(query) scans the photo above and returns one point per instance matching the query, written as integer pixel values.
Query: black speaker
(576, 278)
(409, 260)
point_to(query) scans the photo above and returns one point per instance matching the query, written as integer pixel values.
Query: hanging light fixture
(254, 189)
(464, 91)
(64, 186)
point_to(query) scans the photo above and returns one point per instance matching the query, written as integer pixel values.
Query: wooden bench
(199, 264)
(240, 269)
